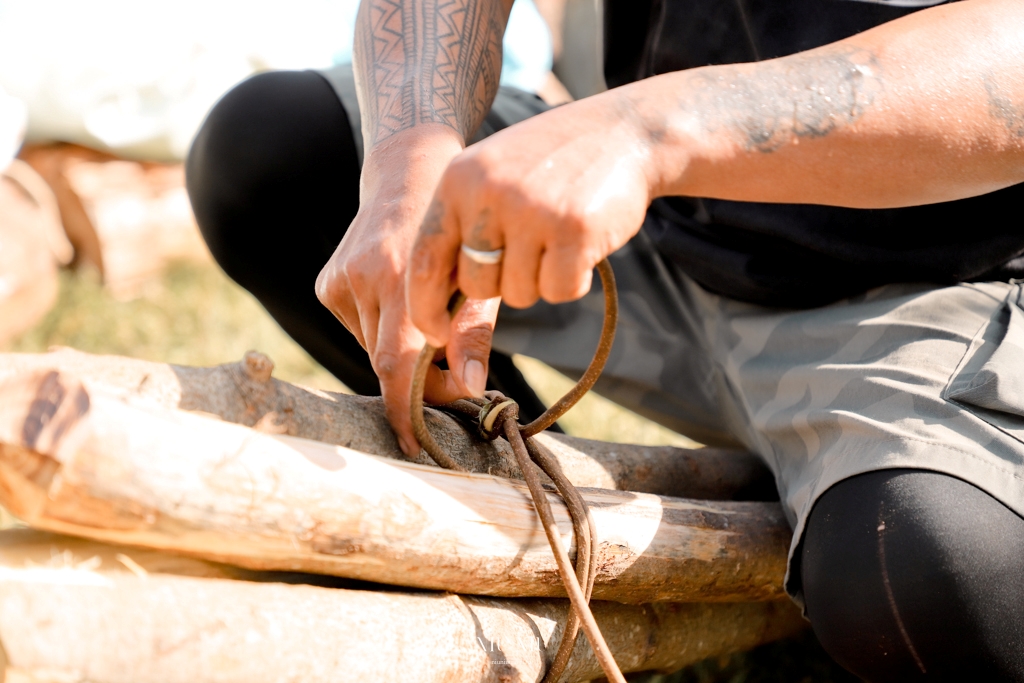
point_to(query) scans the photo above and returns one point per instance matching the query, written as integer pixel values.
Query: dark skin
(926, 108)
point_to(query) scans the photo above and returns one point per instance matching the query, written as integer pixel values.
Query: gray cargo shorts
(903, 376)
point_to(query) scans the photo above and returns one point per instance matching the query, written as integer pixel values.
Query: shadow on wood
(246, 394)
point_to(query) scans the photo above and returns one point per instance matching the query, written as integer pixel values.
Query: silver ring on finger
(484, 258)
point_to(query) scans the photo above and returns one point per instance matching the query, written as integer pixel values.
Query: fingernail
(409, 448)
(474, 376)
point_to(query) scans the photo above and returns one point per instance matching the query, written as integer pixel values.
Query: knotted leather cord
(498, 415)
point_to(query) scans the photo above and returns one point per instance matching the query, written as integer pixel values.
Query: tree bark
(75, 460)
(75, 610)
(246, 394)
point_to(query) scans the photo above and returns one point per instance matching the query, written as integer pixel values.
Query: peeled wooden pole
(75, 610)
(77, 461)
(245, 393)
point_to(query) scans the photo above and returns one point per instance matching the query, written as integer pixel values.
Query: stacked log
(245, 393)
(63, 204)
(127, 219)
(32, 246)
(74, 610)
(218, 464)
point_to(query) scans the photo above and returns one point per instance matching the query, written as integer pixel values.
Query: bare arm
(427, 62)
(426, 73)
(926, 108)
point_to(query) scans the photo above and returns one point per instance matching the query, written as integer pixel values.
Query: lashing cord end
(498, 415)
(491, 419)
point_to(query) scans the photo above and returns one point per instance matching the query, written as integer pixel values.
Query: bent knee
(909, 575)
(265, 148)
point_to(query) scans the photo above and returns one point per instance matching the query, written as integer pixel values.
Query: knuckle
(331, 287)
(524, 302)
(559, 291)
(375, 277)
(475, 336)
(356, 273)
(520, 298)
(573, 228)
(322, 289)
(477, 284)
(552, 292)
(557, 295)
(479, 169)
(387, 365)
(423, 265)
(462, 172)
(357, 285)
(477, 157)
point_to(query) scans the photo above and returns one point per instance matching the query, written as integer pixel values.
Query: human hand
(558, 193)
(363, 283)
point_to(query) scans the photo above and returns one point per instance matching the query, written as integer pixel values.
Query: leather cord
(497, 417)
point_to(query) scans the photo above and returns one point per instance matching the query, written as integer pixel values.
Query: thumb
(469, 346)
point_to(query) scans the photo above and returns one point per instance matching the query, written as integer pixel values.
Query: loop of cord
(497, 416)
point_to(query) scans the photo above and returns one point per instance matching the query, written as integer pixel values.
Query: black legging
(913, 575)
(907, 574)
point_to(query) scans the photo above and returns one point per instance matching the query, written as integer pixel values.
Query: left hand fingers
(566, 273)
(429, 281)
(544, 256)
(469, 347)
(554, 222)
(478, 278)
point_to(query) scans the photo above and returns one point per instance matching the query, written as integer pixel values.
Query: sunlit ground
(195, 315)
(192, 315)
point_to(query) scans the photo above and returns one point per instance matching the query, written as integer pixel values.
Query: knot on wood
(493, 414)
(257, 366)
(495, 420)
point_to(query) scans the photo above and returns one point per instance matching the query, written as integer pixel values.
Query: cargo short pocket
(990, 380)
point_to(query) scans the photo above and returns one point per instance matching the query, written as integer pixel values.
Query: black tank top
(798, 255)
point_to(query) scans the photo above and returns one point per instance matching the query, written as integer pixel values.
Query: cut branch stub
(244, 393)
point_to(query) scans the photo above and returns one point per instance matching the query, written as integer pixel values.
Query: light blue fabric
(527, 47)
(346, 32)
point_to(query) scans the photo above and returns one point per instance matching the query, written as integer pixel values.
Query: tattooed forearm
(768, 104)
(427, 61)
(1002, 108)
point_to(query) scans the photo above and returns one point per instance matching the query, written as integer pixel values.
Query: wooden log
(245, 393)
(48, 161)
(74, 460)
(73, 610)
(128, 219)
(29, 227)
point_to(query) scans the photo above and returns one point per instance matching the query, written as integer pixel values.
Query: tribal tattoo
(766, 105)
(427, 61)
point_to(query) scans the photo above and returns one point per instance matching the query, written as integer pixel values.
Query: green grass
(195, 315)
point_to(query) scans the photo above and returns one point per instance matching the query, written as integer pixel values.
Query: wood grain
(245, 393)
(75, 610)
(76, 460)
